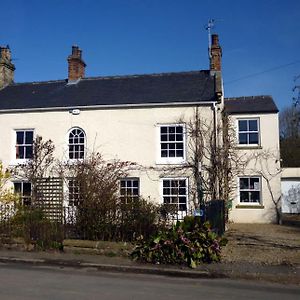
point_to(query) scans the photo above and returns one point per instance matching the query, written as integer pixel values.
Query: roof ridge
(144, 75)
(248, 97)
(116, 77)
(38, 82)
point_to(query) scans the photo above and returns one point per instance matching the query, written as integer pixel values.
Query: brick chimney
(215, 53)
(76, 66)
(7, 68)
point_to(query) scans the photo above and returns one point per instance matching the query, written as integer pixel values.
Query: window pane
(252, 125)
(164, 153)
(29, 137)
(172, 137)
(243, 138)
(243, 125)
(171, 153)
(163, 137)
(26, 188)
(20, 152)
(179, 153)
(179, 129)
(17, 187)
(135, 183)
(255, 197)
(254, 183)
(253, 138)
(172, 129)
(182, 207)
(166, 200)
(20, 137)
(244, 183)
(29, 152)
(179, 137)
(163, 129)
(244, 196)
(166, 183)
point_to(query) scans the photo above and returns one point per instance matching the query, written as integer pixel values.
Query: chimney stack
(7, 68)
(215, 53)
(76, 66)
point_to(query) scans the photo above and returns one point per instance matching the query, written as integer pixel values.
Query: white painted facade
(265, 162)
(132, 134)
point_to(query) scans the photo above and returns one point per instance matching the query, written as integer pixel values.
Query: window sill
(245, 206)
(17, 162)
(245, 147)
(171, 162)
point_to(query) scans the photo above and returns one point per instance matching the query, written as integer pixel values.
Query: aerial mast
(210, 25)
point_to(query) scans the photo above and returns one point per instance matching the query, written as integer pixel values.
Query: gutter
(107, 106)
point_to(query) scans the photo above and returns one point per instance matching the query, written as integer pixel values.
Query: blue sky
(120, 37)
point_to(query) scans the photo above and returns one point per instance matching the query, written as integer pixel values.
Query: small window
(129, 189)
(74, 192)
(76, 144)
(248, 131)
(250, 190)
(172, 143)
(23, 189)
(24, 144)
(175, 193)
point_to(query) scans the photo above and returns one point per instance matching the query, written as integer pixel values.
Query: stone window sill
(258, 206)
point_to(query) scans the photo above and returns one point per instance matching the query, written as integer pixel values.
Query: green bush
(32, 224)
(186, 243)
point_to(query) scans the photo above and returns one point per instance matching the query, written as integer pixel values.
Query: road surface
(22, 281)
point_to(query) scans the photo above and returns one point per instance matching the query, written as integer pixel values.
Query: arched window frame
(76, 143)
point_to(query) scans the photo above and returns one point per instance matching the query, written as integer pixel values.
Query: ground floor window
(175, 192)
(129, 189)
(23, 189)
(73, 192)
(250, 189)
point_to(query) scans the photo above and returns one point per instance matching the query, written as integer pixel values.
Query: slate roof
(150, 89)
(252, 104)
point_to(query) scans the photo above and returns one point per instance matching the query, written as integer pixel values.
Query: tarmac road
(24, 281)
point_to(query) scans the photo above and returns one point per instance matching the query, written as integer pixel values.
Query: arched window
(76, 143)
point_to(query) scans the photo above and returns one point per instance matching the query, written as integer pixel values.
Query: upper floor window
(129, 189)
(172, 143)
(24, 144)
(248, 131)
(23, 188)
(250, 190)
(76, 143)
(175, 192)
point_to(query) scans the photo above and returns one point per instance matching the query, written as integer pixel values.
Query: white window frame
(22, 196)
(79, 144)
(248, 132)
(249, 190)
(180, 214)
(72, 202)
(21, 160)
(127, 195)
(170, 160)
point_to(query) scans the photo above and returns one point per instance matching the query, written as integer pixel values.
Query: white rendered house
(138, 118)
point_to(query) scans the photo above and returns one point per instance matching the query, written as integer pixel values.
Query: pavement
(286, 274)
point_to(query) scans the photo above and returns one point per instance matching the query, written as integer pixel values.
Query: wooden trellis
(49, 197)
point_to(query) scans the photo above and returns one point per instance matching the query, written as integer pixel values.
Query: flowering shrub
(186, 243)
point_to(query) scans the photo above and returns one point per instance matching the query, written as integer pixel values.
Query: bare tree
(266, 164)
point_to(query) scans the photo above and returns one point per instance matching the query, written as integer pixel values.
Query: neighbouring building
(143, 119)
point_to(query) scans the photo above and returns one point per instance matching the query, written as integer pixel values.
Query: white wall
(267, 164)
(125, 134)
